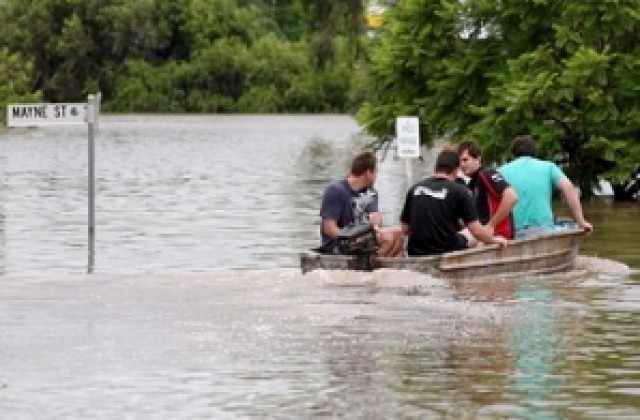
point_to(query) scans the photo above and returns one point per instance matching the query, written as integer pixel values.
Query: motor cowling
(359, 240)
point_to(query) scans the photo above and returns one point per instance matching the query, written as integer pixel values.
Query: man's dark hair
(447, 161)
(472, 149)
(362, 163)
(523, 146)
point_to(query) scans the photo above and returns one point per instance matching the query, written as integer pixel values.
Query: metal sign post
(408, 142)
(91, 123)
(36, 115)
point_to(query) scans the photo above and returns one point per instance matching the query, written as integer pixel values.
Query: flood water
(196, 308)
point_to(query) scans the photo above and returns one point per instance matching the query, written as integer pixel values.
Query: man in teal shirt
(534, 181)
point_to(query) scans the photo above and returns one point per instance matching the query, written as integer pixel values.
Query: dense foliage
(567, 72)
(16, 87)
(182, 55)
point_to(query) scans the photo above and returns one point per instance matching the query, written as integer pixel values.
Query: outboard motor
(359, 240)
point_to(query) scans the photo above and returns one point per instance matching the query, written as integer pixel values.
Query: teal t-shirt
(534, 181)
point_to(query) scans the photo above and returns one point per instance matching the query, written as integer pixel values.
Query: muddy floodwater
(196, 308)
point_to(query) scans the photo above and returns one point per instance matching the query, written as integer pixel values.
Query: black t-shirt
(345, 206)
(433, 209)
(480, 193)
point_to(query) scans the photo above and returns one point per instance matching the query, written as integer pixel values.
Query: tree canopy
(565, 72)
(185, 55)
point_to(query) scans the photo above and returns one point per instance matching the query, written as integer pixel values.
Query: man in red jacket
(494, 197)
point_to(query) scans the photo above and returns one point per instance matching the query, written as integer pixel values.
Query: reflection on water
(197, 308)
(534, 349)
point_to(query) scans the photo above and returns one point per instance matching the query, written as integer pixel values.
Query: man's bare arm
(330, 227)
(573, 201)
(507, 202)
(485, 234)
(375, 218)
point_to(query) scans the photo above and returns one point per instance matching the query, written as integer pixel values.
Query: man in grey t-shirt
(354, 200)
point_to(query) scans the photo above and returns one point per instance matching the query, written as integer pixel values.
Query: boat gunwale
(461, 253)
(525, 256)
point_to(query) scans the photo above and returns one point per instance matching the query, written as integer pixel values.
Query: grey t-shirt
(346, 207)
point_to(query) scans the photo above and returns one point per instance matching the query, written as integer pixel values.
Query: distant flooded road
(172, 193)
(197, 309)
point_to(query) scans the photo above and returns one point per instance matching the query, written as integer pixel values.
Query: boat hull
(549, 253)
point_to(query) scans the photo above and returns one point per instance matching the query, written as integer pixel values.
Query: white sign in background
(408, 137)
(34, 115)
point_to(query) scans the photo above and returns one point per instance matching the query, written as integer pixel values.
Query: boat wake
(602, 266)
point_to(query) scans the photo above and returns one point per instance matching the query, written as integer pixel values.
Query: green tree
(78, 46)
(188, 55)
(326, 19)
(566, 72)
(15, 81)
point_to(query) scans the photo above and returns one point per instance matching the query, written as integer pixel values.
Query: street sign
(408, 137)
(34, 115)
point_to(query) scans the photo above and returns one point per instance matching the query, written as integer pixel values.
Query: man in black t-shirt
(434, 208)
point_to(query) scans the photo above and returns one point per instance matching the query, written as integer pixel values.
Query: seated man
(434, 208)
(493, 195)
(534, 181)
(353, 200)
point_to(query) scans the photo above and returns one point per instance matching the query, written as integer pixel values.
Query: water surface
(196, 307)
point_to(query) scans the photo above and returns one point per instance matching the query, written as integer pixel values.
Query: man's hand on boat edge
(586, 227)
(499, 240)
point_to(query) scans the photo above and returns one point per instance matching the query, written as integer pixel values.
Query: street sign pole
(39, 115)
(91, 122)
